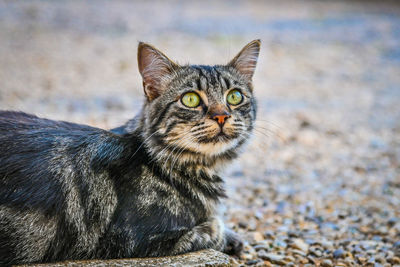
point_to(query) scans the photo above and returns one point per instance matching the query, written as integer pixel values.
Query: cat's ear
(245, 62)
(155, 68)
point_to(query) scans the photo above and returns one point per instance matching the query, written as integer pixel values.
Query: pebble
(298, 252)
(246, 256)
(289, 258)
(316, 253)
(394, 260)
(254, 237)
(327, 244)
(279, 243)
(339, 253)
(265, 247)
(252, 262)
(326, 263)
(242, 224)
(274, 258)
(300, 244)
(262, 254)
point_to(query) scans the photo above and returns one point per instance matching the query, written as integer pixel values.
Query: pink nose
(221, 118)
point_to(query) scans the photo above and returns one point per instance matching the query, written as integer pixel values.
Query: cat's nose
(221, 118)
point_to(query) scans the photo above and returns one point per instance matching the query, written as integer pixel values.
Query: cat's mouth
(221, 133)
(219, 137)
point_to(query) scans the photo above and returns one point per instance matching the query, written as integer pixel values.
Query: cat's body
(148, 188)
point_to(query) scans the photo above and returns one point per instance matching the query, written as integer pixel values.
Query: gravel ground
(319, 184)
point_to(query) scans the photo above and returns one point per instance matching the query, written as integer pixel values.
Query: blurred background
(322, 172)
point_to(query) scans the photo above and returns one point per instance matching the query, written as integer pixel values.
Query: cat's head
(196, 109)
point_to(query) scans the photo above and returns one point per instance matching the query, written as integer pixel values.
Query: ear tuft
(245, 62)
(155, 67)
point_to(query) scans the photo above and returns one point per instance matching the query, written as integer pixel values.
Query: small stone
(292, 234)
(361, 259)
(269, 234)
(349, 261)
(308, 137)
(290, 259)
(258, 215)
(300, 244)
(279, 243)
(242, 224)
(246, 256)
(356, 249)
(327, 244)
(252, 262)
(261, 246)
(392, 221)
(394, 260)
(326, 263)
(311, 259)
(316, 252)
(262, 254)
(254, 237)
(274, 258)
(389, 254)
(380, 259)
(303, 260)
(299, 252)
(339, 253)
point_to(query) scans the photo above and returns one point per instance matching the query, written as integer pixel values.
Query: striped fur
(148, 188)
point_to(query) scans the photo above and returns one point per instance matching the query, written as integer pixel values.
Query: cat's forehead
(213, 80)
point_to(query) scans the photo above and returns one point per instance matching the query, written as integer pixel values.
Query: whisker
(269, 122)
(143, 143)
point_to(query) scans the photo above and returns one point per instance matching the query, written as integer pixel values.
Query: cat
(148, 188)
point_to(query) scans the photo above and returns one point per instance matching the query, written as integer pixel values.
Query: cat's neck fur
(179, 166)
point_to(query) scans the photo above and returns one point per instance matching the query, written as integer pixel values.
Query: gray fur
(148, 188)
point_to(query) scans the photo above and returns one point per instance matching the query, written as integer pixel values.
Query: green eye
(234, 97)
(191, 100)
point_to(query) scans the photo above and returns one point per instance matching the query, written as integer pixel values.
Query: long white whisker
(143, 143)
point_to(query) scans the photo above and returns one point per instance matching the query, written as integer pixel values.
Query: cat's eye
(191, 100)
(234, 97)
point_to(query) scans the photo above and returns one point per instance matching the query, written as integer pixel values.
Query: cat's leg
(210, 234)
(233, 243)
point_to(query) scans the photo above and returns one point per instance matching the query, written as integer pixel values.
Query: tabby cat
(148, 188)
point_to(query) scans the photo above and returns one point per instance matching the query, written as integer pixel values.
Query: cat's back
(46, 170)
(12, 121)
(26, 139)
(35, 152)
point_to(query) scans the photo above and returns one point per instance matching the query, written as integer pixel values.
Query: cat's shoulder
(17, 120)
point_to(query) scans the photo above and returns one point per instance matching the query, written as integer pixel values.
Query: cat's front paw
(233, 243)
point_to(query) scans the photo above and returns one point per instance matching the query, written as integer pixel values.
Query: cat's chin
(218, 145)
